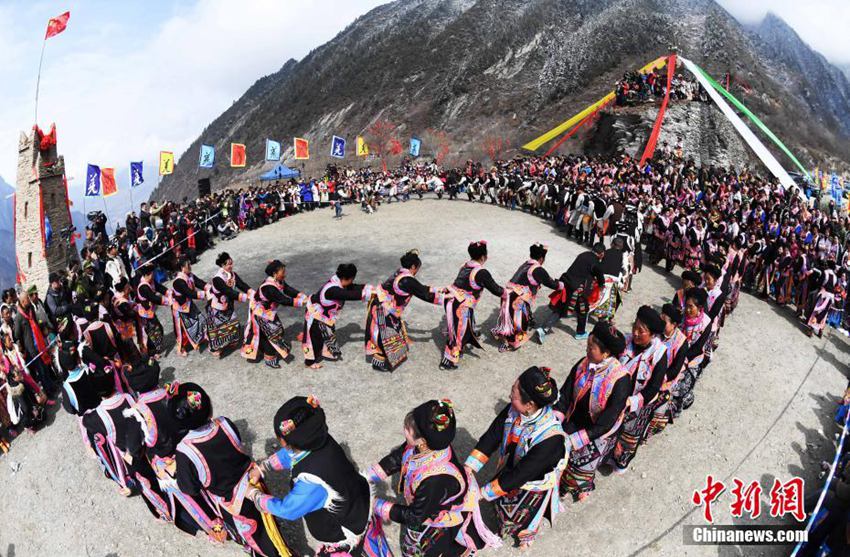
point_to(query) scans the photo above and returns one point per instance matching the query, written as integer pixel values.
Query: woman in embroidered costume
(593, 400)
(149, 294)
(223, 291)
(645, 358)
(461, 299)
(319, 333)
(326, 491)
(515, 313)
(190, 324)
(532, 455)
(23, 397)
(212, 463)
(264, 333)
(677, 348)
(160, 437)
(690, 279)
(127, 323)
(696, 326)
(440, 512)
(387, 341)
(676, 238)
(820, 301)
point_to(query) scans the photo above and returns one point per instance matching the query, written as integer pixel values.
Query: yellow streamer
(553, 133)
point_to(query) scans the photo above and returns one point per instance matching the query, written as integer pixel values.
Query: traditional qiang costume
(676, 350)
(515, 312)
(461, 299)
(676, 238)
(593, 401)
(820, 302)
(319, 334)
(387, 341)
(440, 512)
(190, 324)
(693, 246)
(532, 456)
(129, 328)
(148, 296)
(212, 464)
(647, 366)
(326, 490)
(264, 333)
(160, 437)
(223, 325)
(697, 332)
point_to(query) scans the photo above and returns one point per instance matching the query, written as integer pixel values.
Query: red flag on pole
(57, 24)
(302, 148)
(107, 181)
(238, 157)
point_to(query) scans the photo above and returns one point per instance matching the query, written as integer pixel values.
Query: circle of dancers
(165, 443)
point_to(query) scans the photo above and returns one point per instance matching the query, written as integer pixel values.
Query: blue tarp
(280, 172)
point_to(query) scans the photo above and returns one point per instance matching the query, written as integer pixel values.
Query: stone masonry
(41, 179)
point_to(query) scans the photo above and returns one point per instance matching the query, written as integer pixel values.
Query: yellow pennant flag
(166, 163)
(362, 147)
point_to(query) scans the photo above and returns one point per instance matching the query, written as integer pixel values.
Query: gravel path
(763, 409)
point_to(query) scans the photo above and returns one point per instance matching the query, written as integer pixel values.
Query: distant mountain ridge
(477, 69)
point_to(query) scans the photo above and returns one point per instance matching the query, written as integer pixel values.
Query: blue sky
(130, 78)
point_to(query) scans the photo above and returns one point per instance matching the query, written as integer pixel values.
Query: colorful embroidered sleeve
(579, 439)
(375, 474)
(476, 460)
(304, 498)
(383, 508)
(279, 461)
(492, 491)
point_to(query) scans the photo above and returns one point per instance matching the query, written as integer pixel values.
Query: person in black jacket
(440, 511)
(578, 283)
(326, 490)
(264, 334)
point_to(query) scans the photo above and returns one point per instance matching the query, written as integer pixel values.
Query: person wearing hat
(115, 268)
(461, 299)
(821, 298)
(32, 341)
(690, 279)
(579, 280)
(327, 490)
(645, 357)
(224, 290)
(676, 345)
(212, 464)
(149, 295)
(515, 313)
(387, 341)
(532, 448)
(696, 326)
(264, 333)
(694, 243)
(593, 401)
(440, 511)
(318, 337)
(190, 325)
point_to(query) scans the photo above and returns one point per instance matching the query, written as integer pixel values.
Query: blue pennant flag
(415, 146)
(338, 147)
(272, 150)
(48, 232)
(207, 158)
(93, 181)
(137, 177)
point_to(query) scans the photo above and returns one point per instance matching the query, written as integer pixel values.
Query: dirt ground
(763, 409)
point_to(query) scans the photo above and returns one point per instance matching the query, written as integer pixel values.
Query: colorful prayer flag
(415, 146)
(362, 147)
(238, 158)
(166, 163)
(48, 232)
(137, 174)
(93, 181)
(56, 25)
(107, 180)
(338, 147)
(272, 150)
(302, 148)
(207, 158)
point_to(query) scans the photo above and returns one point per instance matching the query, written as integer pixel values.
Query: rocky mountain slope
(478, 69)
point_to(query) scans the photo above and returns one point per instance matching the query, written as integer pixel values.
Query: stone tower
(42, 245)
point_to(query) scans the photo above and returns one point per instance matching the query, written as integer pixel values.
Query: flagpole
(38, 79)
(132, 205)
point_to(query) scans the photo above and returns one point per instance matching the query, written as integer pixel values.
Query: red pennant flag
(56, 25)
(238, 158)
(107, 182)
(302, 149)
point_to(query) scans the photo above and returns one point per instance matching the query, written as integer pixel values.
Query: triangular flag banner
(238, 158)
(92, 181)
(415, 146)
(107, 180)
(362, 147)
(166, 163)
(272, 150)
(338, 147)
(137, 177)
(302, 149)
(56, 25)
(207, 158)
